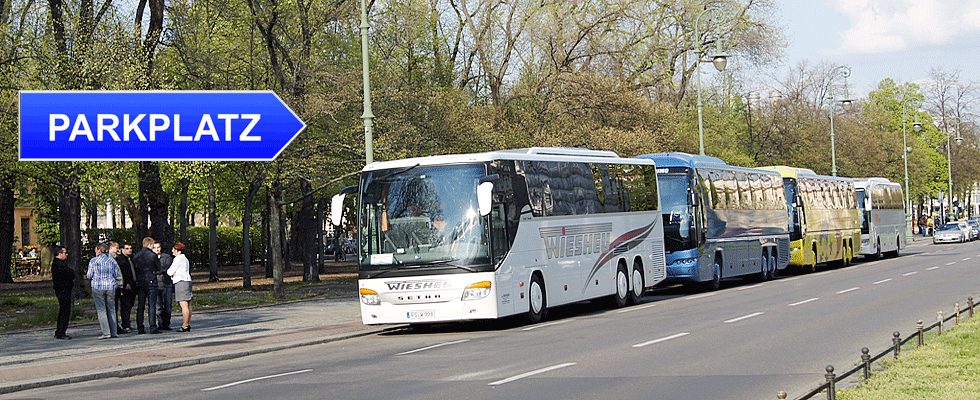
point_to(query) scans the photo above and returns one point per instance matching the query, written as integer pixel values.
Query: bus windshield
(421, 218)
(865, 212)
(677, 211)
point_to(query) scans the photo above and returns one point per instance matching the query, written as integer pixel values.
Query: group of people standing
(151, 280)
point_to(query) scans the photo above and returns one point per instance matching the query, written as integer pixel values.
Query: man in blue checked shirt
(104, 273)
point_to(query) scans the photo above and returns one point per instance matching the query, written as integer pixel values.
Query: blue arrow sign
(154, 125)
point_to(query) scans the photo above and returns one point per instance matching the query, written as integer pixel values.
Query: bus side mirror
(484, 193)
(337, 204)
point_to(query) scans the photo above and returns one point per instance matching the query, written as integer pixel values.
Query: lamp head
(847, 104)
(720, 59)
(959, 140)
(917, 126)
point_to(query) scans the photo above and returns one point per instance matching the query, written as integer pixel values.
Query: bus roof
(534, 153)
(676, 159)
(796, 173)
(868, 182)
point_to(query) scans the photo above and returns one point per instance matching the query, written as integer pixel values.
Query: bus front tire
(537, 300)
(715, 282)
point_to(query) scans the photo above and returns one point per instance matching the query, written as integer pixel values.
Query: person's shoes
(63, 337)
(114, 336)
(141, 331)
(155, 331)
(184, 329)
(166, 328)
(122, 331)
(104, 337)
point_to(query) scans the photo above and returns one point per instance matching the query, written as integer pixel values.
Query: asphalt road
(746, 341)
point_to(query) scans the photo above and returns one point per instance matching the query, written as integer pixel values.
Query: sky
(879, 39)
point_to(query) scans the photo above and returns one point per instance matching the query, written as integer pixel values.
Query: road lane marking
(664, 339)
(635, 308)
(254, 379)
(545, 325)
(750, 287)
(932, 268)
(744, 317)
(882, 281)
(701, 296)
(949, 263)
(433, 347)
(910, 273)
(527, 374)
(848, 290)
(804, 301)
(966, 259)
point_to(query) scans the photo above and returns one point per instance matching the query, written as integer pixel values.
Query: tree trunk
(253, 189)
(158, 202)
(183, 211)
(267, 238)
(307, 235)
(70, 211)
(275, 241)
(213, 230)
(283, 234)
(321, 207)
(6, 227)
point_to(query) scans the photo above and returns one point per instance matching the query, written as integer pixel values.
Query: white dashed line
(701, 296)
(527, 374)
(433, 346)
(804, 301)
(966, 259)
(661, 339)
(848, 290)
(882, 281)
(530, 328)
(743, 317)
(749, 287)
(253, 380)
(932, 268)
(910, 273)
(949, 263)
(635, 308)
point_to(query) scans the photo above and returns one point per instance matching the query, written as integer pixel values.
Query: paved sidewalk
(34, 359)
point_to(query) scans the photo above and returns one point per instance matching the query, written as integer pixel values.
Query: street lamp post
(949, 165)
(368, 116)
(844, 71)
(719, 59)
(906, 150)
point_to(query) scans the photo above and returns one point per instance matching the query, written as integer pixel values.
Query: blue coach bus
(720, 221)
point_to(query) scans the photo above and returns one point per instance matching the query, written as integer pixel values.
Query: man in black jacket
(165, 303)
(147, 265)
(64, 281)
(126, 295)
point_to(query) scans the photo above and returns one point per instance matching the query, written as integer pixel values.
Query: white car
(956, 232)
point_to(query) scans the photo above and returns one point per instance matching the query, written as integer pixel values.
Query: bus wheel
(878, 251)
(715, 282)
(537, 300)
(898, 247)
(772, 267)
(764, 276)
(813, 267)
(622, 287)
(637, 293)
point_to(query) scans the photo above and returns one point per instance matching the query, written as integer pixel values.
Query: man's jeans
(147, 305)
(105, 307)
(165, 305)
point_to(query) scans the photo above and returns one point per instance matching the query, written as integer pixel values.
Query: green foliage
(229, 244)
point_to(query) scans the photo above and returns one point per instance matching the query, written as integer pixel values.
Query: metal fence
(829, 387)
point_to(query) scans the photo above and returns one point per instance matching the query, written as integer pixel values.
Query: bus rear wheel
(537, 300)
(637, 285)
(622, 287)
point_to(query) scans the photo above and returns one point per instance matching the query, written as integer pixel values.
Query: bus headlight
(370, 297)
(476, 291)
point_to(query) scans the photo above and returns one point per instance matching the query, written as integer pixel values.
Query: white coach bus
(882, 207)
(488, 235)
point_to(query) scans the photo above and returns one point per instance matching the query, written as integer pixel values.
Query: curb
(148, 368)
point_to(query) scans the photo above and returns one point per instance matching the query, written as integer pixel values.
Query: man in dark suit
(126, 295)
(64, 281)
(147, 265)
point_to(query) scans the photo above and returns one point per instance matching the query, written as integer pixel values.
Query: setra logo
(416, 285)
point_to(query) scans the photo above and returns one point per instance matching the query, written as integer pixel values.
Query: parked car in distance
(956, 232)
(974, 229)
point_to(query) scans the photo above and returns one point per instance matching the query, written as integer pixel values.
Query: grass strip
(946, 367)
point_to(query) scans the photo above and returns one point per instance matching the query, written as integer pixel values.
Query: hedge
(229, 241)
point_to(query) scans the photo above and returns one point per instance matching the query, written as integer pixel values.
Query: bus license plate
(421, 314)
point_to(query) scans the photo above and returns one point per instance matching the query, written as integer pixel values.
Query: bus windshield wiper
(396, 172)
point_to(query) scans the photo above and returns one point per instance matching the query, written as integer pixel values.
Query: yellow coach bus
(824, 222)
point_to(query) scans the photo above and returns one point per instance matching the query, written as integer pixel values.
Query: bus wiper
(397, 172)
